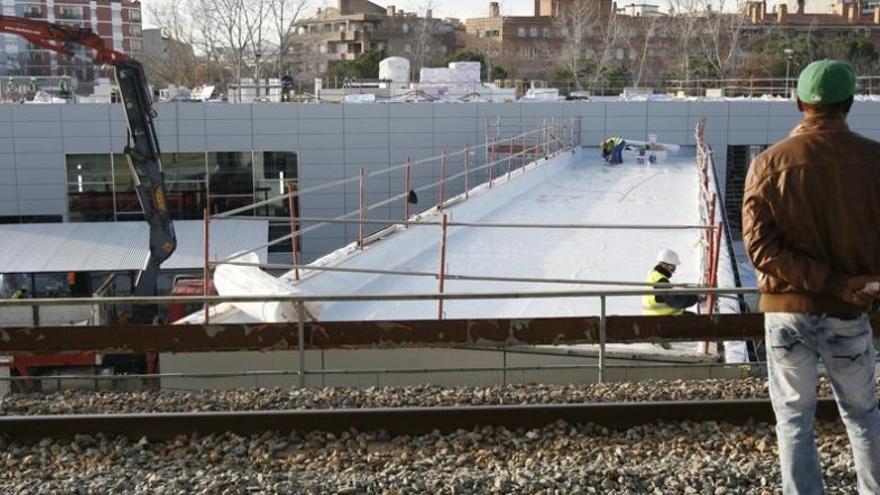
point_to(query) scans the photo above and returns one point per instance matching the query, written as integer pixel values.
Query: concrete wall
(335, 140)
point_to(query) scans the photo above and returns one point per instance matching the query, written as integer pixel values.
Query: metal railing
(300, 300)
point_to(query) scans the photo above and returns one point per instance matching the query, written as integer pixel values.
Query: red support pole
(467, 161)
(442, 180)
(713, 275)
(509, 160)
(206, 277)
(362, 211)
(294, 239)
(407, 187)
(442, 265)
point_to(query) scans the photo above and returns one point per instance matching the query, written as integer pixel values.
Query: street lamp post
(257, 55)
(788, 52)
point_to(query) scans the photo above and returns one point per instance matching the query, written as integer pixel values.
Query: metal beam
(382, 334)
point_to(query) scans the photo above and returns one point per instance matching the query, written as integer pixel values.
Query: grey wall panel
(320, 141)
(321, 126)
(85, 144)
(367, 156)
(366, 126)
(666, 122)
(321, 172)
(635, 109)
(96, 112)
(166, 111)
(9, 205)
(232, 111)
(8, 177)
(32, 113)
(542, 109)
(5, 129)
(667, 108)
(40, 176)
(41, 207)
(40, 160)
(228, 127)
(42, 192)
(316, 111)
(412, 141)
(38, 129)
(309, 157)
(87, 128)
(229, 143)
(457, 125)
(191, 111)
(7, 146)
(191, 127)
(284, 112)
(191, 143)
(457, 111)
(289, 127)
(267, 142)
(499, 110)
(37, 145)
(411, 110)
(410, 125)
(362, 111)
(6, 113)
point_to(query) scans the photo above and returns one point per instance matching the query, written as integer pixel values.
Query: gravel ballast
(674, 458)
(86, 402)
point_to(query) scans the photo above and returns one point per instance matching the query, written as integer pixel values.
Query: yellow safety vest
(650, 305)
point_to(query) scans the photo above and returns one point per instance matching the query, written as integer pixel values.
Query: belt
(842, 316)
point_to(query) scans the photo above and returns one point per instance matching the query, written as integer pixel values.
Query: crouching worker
(665, 305)
(612, 149)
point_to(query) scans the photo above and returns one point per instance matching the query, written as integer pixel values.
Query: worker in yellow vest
(665, 305)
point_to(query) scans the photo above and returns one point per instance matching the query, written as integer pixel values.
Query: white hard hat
(668, 256)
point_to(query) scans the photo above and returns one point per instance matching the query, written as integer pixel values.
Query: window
(134, 15)
(230, 180)
(533, 32)
(407, 48)
(546, 32)
(521, 32)
(619, 54)
(632, 54)
(478, 33)
(322, 48)
(443, 50)
(89, 188)
(185, 184)
(69, 12)
(405, 27)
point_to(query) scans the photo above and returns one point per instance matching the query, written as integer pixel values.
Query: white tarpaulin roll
(238, 280)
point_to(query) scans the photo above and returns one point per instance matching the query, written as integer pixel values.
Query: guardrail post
(443, 158)
(301, 337)
(442, 274)
(362, 210)
(603, 322)
(491, 163)
(509, 159)
(407, 187)
(206, 273)
(294, 239)
(467, 162)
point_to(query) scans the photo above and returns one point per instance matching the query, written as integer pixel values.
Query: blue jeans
(795, 341)
(617, 153)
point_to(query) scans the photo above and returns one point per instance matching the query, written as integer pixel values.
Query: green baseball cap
(827, 81)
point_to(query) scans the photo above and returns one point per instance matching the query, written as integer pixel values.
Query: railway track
(408, 420)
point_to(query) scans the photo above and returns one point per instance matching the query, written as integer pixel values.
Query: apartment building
(847, 17)
(341, 33)
(116, 21)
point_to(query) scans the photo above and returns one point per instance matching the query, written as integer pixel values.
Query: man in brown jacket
(811, 224)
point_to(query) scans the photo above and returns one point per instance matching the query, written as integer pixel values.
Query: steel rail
(500, 225)
(429, 296)
(448, 276)
(407, 420)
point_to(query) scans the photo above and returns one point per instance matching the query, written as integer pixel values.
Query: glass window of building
(186, 184)
(521, 32)
(533, 32)
(230, 180)
(275, 172)
(89, 187)
(128, 206)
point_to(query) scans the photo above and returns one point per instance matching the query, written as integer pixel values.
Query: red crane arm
(57, 37)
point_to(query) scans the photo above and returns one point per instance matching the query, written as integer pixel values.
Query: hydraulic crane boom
(142, 151)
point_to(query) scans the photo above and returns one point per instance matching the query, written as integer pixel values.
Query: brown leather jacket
(811, 216)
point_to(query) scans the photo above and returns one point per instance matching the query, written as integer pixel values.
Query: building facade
(341, 33)
(117, 21)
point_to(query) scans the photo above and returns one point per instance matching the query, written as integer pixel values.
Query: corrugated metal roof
(119, 246)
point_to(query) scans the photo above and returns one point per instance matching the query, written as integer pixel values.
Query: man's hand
(861, 290)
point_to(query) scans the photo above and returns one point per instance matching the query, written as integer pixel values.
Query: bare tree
(575, 27)
(684, 21)
(647, 32)
(610, 33)
(284, 16)
(177, 63)
(720, 36)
